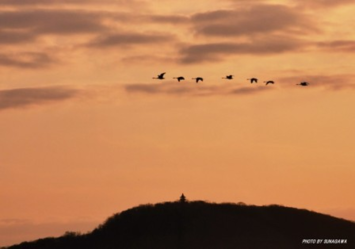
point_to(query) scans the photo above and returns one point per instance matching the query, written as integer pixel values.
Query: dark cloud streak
(170, 19)
(216, 51)
(117, 39)
(328, 82)
(251, 20)
(15, 37)
(322, 3)
(26, 60)
(23, 97)
(56, 2)
(193, 90)
(53, 21)
(337, 46)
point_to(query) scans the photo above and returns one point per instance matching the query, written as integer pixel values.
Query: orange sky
(86, 132)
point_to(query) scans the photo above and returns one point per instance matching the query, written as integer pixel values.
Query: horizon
(86, 130)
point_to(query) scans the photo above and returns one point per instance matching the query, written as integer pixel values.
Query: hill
(205, 225)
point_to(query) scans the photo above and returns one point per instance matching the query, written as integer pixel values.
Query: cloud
(56, 2)
(15, 37)
(328, 82)
(338, 45)
(119, 39)
(23, 97)
(248, 90)
(40, 22)
(148, 58)
(27, 60)
(254, 29)
(212, 52)
(23, 26)
(322, 3)
(254, 19)
(182, 89)
(251, 20)
(172, 19)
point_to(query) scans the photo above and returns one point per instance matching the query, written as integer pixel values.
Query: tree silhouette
(182, 198)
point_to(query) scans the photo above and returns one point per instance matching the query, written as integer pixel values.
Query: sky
(86, 132)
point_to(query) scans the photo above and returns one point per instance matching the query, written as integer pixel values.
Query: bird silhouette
(253, 80)
(198, 79)
(179, 78)
(160, 76)
(269, 82)
(303, 83)
(228, 77)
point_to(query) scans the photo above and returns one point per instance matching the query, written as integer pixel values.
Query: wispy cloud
(216, 51)
(148, 58)
(25, 26)
(252, 28)
(322, 3)
(250, 90)
(16, 37)
(252, 20)
(328, 82)
(52, 21)
(119, 39)
(337, 45)
(26, 60)
(170, 19)
(56, 2)
(30, 60)
(23, 97)
(182, 89)
(255, 29)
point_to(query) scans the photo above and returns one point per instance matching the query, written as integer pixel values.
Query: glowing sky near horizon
(86, 132)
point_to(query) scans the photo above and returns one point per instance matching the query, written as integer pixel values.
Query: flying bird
(269, 82)
(228, 77)
(160, 76)
(303, 83)
(198, 79)
(179, 78)
(253, 80)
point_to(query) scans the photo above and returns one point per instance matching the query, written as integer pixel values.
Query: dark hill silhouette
(198, 224)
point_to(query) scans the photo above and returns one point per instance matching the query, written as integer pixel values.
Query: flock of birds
(228, 77)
